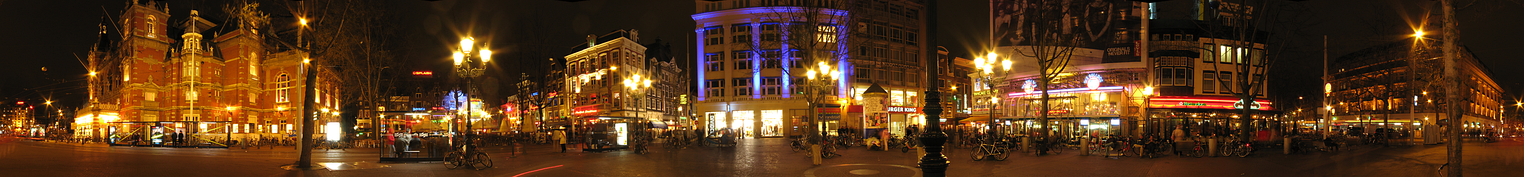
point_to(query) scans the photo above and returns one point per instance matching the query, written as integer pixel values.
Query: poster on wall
(876, 120)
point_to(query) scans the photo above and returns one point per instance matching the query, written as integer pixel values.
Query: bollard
(1287, 143)
(1085, 146)
(1026, 143)
(815, 155)
(1212, 146)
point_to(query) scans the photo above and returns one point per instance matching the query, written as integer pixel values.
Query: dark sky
(50, 34)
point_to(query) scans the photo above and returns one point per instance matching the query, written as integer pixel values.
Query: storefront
(901, 117)
(420, 135)
(1206, 115)
(199, 134)
(608, 133)
(772, 123)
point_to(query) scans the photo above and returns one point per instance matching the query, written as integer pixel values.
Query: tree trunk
(1042, 115)
(1453, 85)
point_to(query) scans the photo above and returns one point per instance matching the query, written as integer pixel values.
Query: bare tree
(1242, 31)
(1048, 33)
(348, 37)
(805, 38)
(353, 37)
(814, 34)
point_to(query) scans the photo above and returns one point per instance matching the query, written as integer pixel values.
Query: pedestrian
(1179, 137)
(560, 136)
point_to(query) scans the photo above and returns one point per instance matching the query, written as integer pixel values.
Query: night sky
(51, 34)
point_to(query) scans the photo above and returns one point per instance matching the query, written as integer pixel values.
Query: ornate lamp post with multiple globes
(991, 72)
(469, 69)
(826, 81)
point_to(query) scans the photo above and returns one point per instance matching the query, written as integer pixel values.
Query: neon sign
(585, 110)
(1029, 85)
(1093, 81)
(423, 73)
(1206, 102)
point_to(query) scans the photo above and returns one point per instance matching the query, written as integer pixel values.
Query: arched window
(149, 25)
(253, 65)
(282, 85)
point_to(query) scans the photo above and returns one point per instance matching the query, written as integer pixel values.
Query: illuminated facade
(596, 75)
(1105, 87)
(231, 82)
(1378, 87)
(752, 89)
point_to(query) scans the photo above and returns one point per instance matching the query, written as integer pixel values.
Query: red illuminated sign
(423, 73)
(585, 110)
(1205, 102)
(20, 102)
(1058, 111)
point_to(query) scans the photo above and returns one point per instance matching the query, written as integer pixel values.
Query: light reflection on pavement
(751, 157)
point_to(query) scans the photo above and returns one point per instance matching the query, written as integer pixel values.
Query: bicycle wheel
(978, 154)
(1243, 152)
(1198, 152)
(481, 161)
(1056, 149)
(1001, 154)
(452, 160)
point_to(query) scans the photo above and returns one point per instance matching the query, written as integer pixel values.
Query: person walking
(560, 136)
(1179, 137)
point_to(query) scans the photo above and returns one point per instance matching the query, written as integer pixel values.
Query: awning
(976, 119)
(658, 124)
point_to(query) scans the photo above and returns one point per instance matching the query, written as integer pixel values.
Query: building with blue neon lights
(749, 78)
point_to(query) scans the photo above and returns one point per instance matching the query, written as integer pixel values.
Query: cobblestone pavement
(752, 157)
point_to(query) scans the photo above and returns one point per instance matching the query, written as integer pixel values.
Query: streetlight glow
(486, 55)
(1005, 65)
(465, 44)
(303, 21)
(459, 57)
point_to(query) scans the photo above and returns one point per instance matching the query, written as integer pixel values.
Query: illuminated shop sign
(1205, 102)
(902, 109)
(1071, 90)
(585, 110)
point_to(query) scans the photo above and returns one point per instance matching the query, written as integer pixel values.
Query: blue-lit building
(746, 84)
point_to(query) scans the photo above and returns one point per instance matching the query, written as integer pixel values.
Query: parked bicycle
(470, 157)
(994, 149)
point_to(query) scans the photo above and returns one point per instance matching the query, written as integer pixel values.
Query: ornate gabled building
(237, 82)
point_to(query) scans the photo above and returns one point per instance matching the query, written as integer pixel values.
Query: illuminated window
(149, 26)
(827, 34)
(282, 91)
(191, 96)
(253, 66)
(1206, 52)
(149, 96)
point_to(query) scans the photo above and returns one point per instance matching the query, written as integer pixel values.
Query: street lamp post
(469, 69)
(991, 76)
(637, 87)
(828, 76)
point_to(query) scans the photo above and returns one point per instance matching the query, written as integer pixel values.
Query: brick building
(233, 80)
